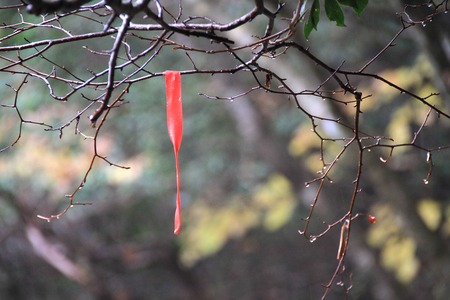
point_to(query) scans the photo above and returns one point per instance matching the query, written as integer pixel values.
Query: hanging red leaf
(175, 128)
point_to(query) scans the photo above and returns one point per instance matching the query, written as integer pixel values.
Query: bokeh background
(243, 168)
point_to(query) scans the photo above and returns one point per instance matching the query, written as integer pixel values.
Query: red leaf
(371, 219)
(175, 127)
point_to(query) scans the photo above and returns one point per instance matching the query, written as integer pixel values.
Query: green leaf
(313, 20)
(334, 12)
(308, 28)
(357, 5)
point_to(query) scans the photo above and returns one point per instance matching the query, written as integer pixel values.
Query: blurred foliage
(241, 213)
(431, 212)
(271, 205)
(397, 250)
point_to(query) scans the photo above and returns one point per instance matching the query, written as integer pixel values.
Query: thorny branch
(128, 65)
(111, 69)
(96, 155)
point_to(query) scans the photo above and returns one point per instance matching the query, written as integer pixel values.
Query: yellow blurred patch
(277, 202)
(303, 140)
(431, 213)
(397, 249)
(398, 255)
(271, 205)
